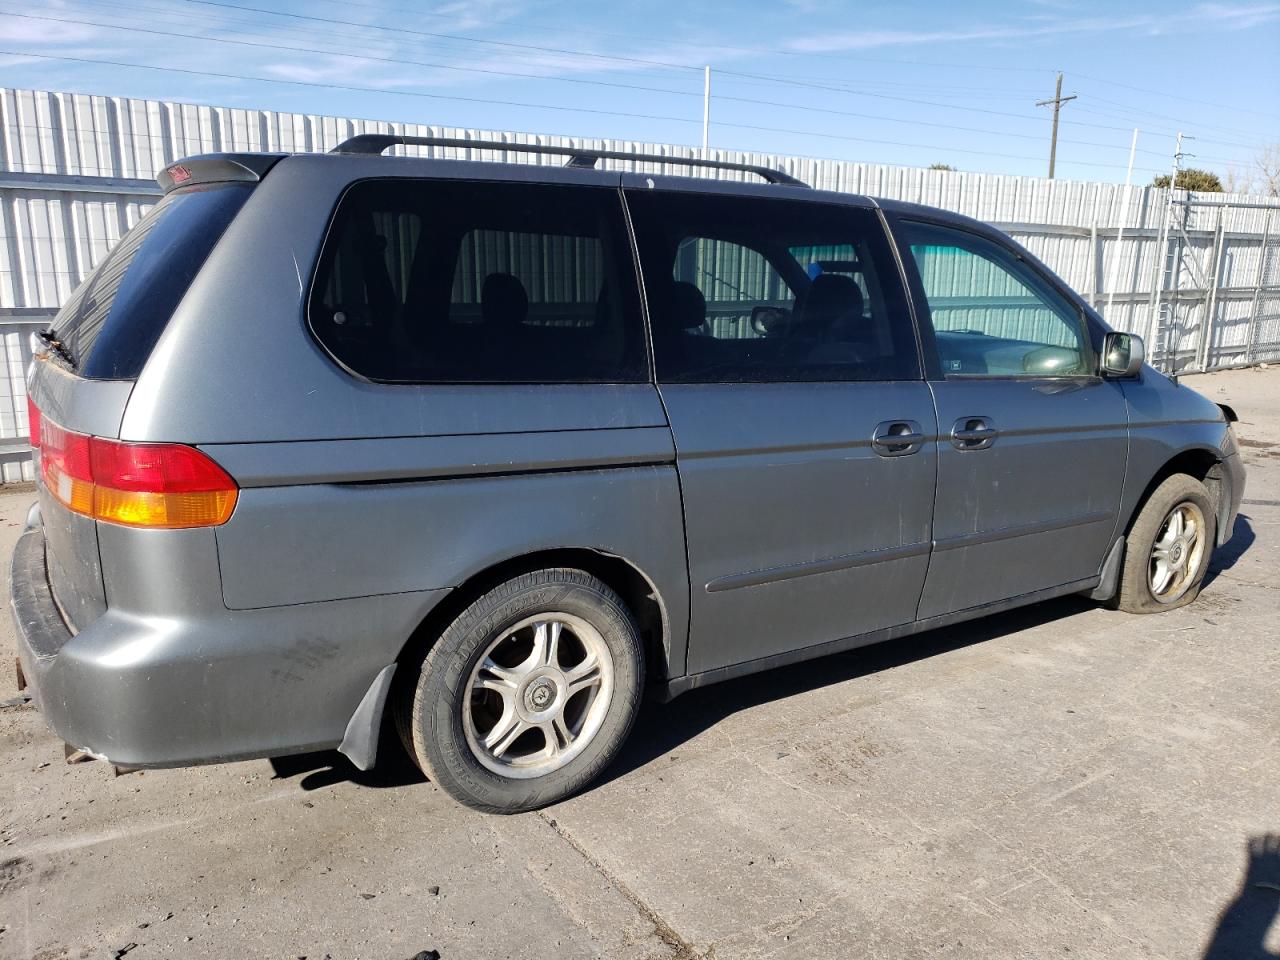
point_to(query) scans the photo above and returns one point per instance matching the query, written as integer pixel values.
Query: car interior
(826, 319)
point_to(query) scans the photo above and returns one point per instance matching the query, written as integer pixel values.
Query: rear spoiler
(217, 168)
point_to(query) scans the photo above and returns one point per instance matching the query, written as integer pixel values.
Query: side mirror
(770, 321)
(1122, 355)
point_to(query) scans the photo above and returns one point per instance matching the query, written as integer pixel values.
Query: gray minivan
(485, 450)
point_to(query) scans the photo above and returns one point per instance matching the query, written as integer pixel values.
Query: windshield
(113, 320)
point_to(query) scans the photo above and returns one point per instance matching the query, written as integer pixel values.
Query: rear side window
(438, 281)
(763, 290)
(113, 320)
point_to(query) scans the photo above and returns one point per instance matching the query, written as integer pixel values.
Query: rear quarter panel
(304, 544)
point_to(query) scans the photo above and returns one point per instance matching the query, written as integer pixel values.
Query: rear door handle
(973, 433)
(897, 438)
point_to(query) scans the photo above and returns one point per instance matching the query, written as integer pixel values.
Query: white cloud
(1238, 16)
(1204, 17)
(15, 29)
(470, 14)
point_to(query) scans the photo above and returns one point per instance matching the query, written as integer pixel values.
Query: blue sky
(906, 83)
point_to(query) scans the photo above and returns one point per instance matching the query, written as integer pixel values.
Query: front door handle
(897, 438)
(973, 433)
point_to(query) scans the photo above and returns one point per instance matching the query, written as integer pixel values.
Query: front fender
(1173, 427)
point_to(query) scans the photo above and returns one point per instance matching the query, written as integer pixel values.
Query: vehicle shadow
(1243, 924)
(662, 727)
(325, 768)
(1226, 556)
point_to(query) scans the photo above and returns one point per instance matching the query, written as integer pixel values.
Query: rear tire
(528, 695)
(1168, 549)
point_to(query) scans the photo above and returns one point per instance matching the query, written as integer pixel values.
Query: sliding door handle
(973, 433)
(897, 438)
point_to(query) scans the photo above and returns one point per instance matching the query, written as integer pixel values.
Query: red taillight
(65, 466)
(165, 485)
(156, 468)
(33, 423)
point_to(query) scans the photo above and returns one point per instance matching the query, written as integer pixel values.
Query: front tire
(1168, 549)
(528, 695)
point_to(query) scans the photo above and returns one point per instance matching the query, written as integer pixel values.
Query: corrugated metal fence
(1198, 276)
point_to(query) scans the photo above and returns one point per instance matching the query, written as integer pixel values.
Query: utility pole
(1178, 156)
(1164, 312)
(1124, 216)
(1057, 101)
(706, 111)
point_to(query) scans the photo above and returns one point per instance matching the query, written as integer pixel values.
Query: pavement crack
(681, 949)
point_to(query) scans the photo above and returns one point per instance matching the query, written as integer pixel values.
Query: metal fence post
(1213, 280)
(1095, 263)
(1257, 290)
(1161, 268)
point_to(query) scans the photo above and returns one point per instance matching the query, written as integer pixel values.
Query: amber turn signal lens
(207, 508)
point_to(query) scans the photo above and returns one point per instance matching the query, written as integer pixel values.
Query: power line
(347, 54)
(926, 123)
(577, 80)
(450, 36)
(1136, 119)
(187, 71)
(219, 20)
(1160, 93)
(983, 153)
(679, 66)
(1145, 112)
(828, 85)
(807, 54)
(899, 99)
(834, 87)
(342, 86)
(542, 49)
(858, 85)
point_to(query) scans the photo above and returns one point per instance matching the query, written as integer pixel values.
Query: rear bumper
(207, 686)
(38, 624)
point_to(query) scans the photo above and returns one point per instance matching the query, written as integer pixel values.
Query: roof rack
(582, 157)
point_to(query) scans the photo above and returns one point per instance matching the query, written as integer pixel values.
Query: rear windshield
(113, 320)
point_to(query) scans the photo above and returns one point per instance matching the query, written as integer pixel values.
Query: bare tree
(1238, 180)
(1267, 167)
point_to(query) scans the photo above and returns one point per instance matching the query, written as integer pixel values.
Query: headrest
(832, 297)
(688, 306)
(503, 300)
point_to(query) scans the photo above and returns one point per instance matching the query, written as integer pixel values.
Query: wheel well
(640, 596)
(1201, 464)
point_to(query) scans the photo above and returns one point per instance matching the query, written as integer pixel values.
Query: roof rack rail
(583, 157)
